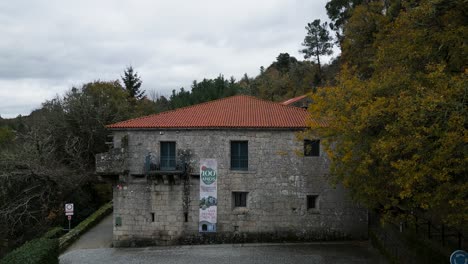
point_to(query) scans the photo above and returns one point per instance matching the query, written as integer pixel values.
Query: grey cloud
(50, 45)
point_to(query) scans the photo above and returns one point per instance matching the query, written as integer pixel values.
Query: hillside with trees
(47, 158)
(395, 100)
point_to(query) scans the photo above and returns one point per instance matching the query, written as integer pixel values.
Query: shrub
(37, 251)
(54, 232)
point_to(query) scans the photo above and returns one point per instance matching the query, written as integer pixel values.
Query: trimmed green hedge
(67, 239)
(54, 232)
(37, 251)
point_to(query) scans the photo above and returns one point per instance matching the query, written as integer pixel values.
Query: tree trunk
(319, 66)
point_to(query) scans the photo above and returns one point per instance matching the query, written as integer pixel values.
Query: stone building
(270, 185)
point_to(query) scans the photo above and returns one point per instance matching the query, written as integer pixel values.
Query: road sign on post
(69, 212)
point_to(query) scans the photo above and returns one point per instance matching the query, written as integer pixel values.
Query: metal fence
(405, 241)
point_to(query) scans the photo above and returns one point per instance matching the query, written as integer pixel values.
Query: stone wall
(278, 181)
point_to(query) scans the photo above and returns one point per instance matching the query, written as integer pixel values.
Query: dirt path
(99, 236)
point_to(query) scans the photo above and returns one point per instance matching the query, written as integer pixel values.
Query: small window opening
(311, 148)
(118, 221)
(152, 217)
(240, 199)
(312, 201)
(186, 217)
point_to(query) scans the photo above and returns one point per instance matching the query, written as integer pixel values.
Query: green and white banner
(208, 195)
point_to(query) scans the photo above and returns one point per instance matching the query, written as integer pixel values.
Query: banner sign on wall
(208, 195)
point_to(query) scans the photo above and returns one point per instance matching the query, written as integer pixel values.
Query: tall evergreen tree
(132, 83)
(318, 41)
(339, 11)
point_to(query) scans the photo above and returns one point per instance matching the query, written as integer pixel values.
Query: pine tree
(318, 41)
(132, 83)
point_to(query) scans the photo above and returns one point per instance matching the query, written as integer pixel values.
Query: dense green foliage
(339, 12)
(285, 78)
(38, 251)
(206, 90)
(397, 117)
(50, 158)
(6, 136)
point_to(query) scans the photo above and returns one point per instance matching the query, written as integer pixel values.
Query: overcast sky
(48, 46)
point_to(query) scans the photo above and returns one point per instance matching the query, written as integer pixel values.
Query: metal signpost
(69, 212)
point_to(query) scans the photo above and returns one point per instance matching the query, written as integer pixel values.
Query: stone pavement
(100, 236)
(311, 253)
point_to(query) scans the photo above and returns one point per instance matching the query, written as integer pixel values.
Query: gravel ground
(311, 253)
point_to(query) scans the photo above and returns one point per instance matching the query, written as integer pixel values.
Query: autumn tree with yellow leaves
(397, 134)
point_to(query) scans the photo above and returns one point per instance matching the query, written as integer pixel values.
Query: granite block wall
(278, 181)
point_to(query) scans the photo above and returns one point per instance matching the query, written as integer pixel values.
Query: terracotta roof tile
(239, 111)
(293, 100)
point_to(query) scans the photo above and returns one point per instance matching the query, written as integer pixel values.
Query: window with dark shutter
(168, 156)
(311, 148)
(239, 155)
(240, 199)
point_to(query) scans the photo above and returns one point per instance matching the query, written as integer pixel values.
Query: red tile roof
(239, 111)
(293, 100)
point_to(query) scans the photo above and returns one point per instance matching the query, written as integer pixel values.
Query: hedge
(54, 232)
(67, 239)
(37, 251)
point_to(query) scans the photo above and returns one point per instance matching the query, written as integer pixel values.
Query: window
(168, 156)
(240, 199)
(312, 201)
(152, 217)
(311, 148)
(239, 155)
(118, 221)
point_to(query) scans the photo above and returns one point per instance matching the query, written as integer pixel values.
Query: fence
(418, 241)
(440, 233)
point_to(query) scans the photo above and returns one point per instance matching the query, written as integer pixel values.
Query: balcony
(163, 165)
(164, 169)
(112, 162)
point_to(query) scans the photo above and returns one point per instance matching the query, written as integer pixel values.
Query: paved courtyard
(311, 253)
(99, 236)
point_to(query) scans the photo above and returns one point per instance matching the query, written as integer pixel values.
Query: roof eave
(203, 128)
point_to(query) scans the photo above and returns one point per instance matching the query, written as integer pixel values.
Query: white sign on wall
(208, 195)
